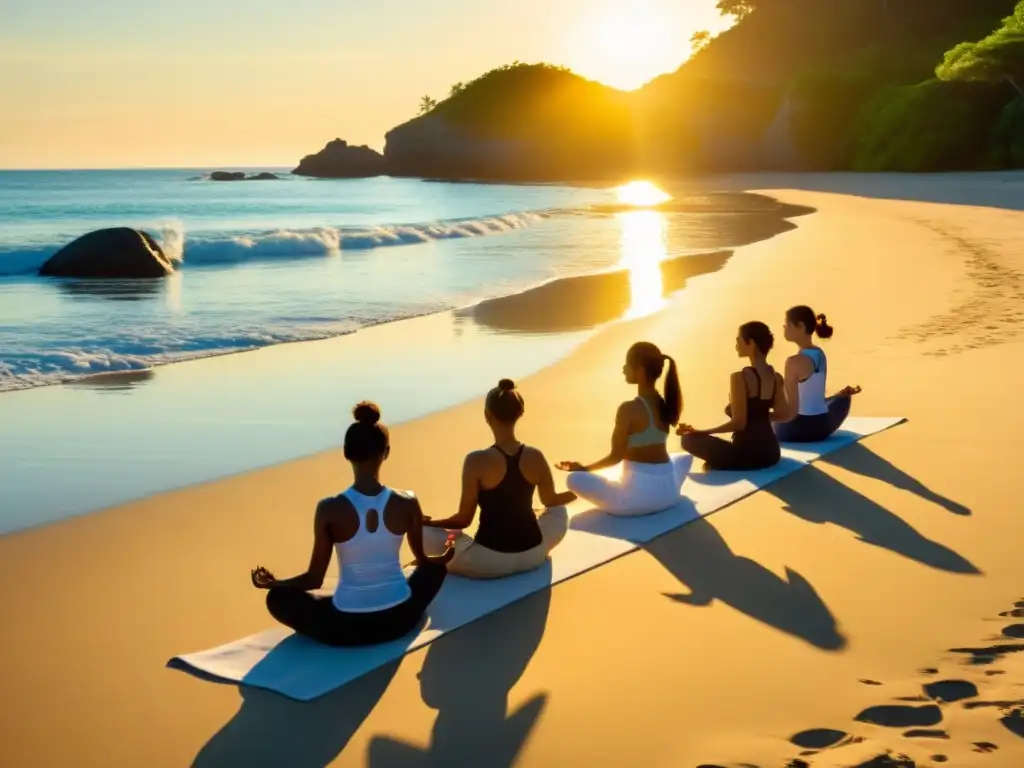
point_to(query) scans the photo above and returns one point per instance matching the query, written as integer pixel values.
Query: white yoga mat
(301, 669)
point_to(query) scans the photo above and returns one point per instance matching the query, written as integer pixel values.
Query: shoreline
(709, 623)
(196, 420)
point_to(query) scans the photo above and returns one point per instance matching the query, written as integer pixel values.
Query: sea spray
(172, 240)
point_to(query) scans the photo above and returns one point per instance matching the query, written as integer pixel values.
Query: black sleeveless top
(759, 418)
(507, 520)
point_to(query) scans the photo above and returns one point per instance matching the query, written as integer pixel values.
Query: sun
(624, 44)
(641, 194)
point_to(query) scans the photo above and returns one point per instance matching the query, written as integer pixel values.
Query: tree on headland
(1000, 56)
(427, 104)
(699, 40)
(738, 8)
(456, 89)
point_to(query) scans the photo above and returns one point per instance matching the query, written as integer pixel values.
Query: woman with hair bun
(651, 480)
(754, 393)
(365, 525)
(810, 416)
(501, 481)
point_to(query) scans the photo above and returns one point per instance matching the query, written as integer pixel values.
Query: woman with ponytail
(650, 478)
(501, 481)
(810, 415)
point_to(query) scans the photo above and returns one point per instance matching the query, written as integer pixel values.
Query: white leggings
(643, 488)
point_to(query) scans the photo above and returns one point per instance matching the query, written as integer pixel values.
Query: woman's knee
(554, 524)
(281, 604)
(434, 540)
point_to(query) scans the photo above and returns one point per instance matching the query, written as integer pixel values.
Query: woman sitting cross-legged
(811, 415)
(754, 393)
(373, 602)
(651, 480)
(501, 480)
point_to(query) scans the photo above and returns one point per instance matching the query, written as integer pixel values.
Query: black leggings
(812, 429)
(749, 452)
(317, 618)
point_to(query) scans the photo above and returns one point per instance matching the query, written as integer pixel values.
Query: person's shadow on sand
(272, 730)
(819, 498)
(862, 460)
(699, 557)
(466, 677)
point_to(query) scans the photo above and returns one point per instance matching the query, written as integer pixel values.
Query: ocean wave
(285, 244)
(27, 368)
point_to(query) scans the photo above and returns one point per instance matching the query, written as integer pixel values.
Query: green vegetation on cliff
(909, 85)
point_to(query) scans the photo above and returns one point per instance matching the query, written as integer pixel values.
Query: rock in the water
(227, 176)
(338, 160)
(240, 176)
(119, 252)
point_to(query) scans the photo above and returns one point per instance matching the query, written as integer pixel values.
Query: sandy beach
(714, 646)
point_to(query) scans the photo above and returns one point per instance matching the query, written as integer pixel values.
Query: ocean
(262, 262)
(421, 294)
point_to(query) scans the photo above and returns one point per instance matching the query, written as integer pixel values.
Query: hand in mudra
(262, 578)
(570, 466)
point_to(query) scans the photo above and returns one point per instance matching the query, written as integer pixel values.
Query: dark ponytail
(645, 355)
(672, 402)
(804, 315)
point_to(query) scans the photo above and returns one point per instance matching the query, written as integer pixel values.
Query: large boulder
(119, 252)
(338, 160)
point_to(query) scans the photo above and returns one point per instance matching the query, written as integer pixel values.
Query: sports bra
(651, 435)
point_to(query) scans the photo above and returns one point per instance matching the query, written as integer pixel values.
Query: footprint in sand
(995, 672)
(818, 738)
(929, 671)
(869, 682)
(939, 758)
(1016, 613)
(1014, 722)
(984, 746)
(897, 716)
(948, 691)
(926, 733)
(888, 761)
(1014, 630)
(990, 653)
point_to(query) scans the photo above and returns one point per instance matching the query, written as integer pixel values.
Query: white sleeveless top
(370, 573)
(812, 389)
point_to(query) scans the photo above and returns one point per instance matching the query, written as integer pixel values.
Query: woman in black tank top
(755, 392)
(501, 481)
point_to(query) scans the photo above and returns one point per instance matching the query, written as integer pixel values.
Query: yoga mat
(301, 669)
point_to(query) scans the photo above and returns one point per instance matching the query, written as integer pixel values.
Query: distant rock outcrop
(339, 160)
(242, 176)
(119, 252)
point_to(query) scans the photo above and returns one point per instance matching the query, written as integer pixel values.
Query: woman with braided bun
(501, 481)
(650, 480)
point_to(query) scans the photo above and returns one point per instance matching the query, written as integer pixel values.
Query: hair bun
(822, 319)
(366, 412)
(506, 385)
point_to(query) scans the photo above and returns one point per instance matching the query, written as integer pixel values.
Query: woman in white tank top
(810, 416)
(365, 525)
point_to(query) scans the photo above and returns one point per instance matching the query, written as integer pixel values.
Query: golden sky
(201, 83)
